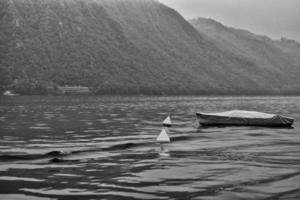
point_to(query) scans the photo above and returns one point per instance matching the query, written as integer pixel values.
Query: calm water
(104, 148)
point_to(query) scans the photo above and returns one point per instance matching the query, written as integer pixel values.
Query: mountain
(277, 60)
(132, 47)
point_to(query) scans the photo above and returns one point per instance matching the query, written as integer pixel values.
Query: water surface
(104, 148)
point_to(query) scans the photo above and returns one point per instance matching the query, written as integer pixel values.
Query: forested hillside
(280, 58)
(131, 47)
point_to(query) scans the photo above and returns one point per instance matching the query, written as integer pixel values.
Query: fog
(274, 18)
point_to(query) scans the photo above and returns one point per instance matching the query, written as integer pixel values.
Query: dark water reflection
(104, 148)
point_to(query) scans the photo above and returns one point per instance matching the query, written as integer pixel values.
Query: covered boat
(243, 118)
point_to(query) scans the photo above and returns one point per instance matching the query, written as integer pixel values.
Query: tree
(6, 42)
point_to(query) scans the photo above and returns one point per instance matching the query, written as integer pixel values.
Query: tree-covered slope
(281, 58)
(125, 46)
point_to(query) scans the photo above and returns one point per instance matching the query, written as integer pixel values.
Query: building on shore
(74, 90)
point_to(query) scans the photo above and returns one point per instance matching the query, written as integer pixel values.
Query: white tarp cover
(242, 114)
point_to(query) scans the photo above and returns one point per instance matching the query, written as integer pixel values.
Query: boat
(243, 118)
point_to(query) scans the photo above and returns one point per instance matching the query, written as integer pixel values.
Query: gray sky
(274, 18)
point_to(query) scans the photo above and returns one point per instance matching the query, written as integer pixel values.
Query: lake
(93, 147)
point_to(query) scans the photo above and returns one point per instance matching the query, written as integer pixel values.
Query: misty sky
(274, 18)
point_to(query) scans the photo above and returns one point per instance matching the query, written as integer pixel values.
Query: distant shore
(89, 93)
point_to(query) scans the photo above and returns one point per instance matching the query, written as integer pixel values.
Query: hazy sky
(274, 18)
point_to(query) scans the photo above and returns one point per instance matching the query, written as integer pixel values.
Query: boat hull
(207, 119)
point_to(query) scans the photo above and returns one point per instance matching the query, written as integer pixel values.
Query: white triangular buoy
(163, 137)
(167, 121)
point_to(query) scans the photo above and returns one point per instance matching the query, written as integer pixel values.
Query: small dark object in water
(56, 160)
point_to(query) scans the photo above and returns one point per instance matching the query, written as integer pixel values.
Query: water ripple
(105, 148)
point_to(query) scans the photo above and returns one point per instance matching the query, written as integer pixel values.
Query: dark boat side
(206, 119)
